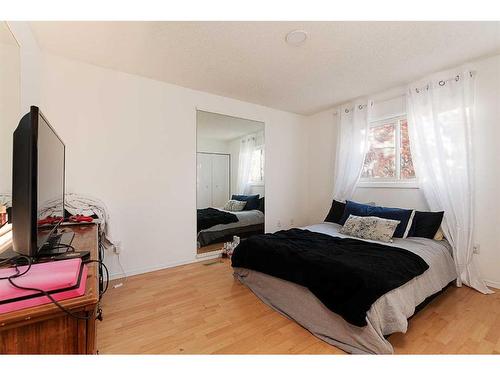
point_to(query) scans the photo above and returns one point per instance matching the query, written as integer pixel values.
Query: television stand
(45, 329)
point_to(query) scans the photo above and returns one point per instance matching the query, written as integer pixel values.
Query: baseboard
(138, 271)
(493, 284)
(209, 254)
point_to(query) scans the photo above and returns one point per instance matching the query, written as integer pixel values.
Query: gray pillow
(234, 205)
(370, 228)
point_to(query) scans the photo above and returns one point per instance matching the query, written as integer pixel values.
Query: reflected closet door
(220, 180)
(203, 180)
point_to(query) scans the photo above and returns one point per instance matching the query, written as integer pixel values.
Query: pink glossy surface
(46, 276)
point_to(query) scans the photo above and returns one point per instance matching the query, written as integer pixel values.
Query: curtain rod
(441, 83)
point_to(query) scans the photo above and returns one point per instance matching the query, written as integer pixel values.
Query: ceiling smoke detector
(296, 37)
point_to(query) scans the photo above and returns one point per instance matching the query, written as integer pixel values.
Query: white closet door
(203, 180)
(220, 180)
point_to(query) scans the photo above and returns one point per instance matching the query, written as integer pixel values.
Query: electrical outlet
(477, 249)
(117, 248)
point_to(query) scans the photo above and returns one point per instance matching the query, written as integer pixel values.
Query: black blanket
(208, 217)
(346, 275)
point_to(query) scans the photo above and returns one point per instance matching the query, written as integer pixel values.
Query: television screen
(50, 190)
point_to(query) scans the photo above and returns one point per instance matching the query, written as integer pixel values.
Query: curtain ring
(417, 90)
(360, 107)
(457, 78)
(442, 83)
(346, 110)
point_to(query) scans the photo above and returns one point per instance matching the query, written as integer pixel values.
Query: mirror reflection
(230, 180)
(9, 110)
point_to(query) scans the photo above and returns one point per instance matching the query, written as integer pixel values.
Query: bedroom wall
(322, 139)
(131, 141)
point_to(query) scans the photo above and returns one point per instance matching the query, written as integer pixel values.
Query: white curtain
(248, 144)
(351, 147)
(440, 114)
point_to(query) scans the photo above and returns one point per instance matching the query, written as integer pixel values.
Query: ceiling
(224, 128)
(251, 61)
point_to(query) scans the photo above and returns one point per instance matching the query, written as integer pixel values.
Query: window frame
(397, 182)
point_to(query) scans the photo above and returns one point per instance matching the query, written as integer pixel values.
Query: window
(257, 166)
(388, 158)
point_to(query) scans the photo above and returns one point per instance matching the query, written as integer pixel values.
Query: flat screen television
(37, 183)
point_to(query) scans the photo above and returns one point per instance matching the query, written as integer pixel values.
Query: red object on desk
(81, 219)
(62, 279)
(50, 220)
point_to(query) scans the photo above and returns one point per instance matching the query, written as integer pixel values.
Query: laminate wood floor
(200, 309)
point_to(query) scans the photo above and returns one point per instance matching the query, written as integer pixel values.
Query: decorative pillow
(234, 205)
(336, 212)
(399, 214)
(370, 228)
(439, 236)
(252, 201)
(426, 224)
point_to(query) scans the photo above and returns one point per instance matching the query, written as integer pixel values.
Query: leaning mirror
(9, 111)
(230, 180)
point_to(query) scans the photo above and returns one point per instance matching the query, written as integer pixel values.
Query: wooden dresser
(46, 329)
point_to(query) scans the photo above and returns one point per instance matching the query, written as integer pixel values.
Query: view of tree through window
(407, 170)
(389, 155)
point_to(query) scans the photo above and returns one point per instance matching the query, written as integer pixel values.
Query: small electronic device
(84, 255)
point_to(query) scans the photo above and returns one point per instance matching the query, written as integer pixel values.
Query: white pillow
(370, 228)
(234, 205)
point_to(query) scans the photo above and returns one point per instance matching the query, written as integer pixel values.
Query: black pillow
(261, 205)
(336, 212)
(425, 224)
(252, 201)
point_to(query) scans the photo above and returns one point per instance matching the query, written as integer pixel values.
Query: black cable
(45, 293)
(107, 274)
(18, 273)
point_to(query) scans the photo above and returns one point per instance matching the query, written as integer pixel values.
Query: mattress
(245, 219)
(389, 314)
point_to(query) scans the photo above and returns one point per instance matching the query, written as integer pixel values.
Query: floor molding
(139, 271)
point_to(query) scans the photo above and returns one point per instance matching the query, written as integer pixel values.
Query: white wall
(322, 138)
(131, 141)
(487, 171)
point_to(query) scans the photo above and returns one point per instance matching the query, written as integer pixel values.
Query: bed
(248, 223)
(387, 315)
